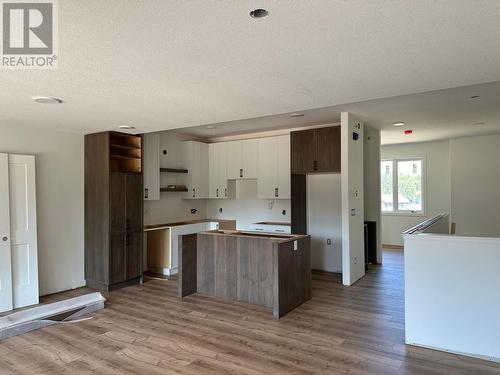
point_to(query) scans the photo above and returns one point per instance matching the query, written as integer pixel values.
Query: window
(402, 186)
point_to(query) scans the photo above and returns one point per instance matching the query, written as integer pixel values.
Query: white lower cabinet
(273, 181)
(271, 228)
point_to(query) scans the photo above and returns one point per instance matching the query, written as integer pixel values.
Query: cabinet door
(117, 258)
(151, 171)
(213, 170)
(328, 149)
(283, 167)
(267, 180)
(117, 201)
(202, 179)
(133, 212)
(234, 171)
(222, 169)
(249, 158)
(133, 243)
(303, 151)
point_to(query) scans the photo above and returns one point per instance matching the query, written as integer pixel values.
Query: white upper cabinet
(242, 159)
(273, 180)
(196, 156)
(217, 156)
(151, 172)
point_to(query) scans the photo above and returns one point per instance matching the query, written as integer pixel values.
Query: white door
(249, 158)
(267, 181)
(284, 167)
(23, 241)
(5, 270)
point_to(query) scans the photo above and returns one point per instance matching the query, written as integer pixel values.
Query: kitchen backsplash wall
(246, 208)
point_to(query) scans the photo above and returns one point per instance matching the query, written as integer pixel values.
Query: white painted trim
(473, 355)
(446, 237)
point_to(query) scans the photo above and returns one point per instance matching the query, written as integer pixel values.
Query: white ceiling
(171, 64)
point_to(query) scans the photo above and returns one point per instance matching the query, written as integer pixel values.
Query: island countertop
(277, 237)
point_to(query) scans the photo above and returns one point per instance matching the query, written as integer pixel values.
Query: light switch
(295, 245)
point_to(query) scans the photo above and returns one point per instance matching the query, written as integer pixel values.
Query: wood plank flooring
(145, 329)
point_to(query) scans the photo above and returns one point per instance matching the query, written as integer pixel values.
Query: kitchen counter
(267, 269)
(223, 224)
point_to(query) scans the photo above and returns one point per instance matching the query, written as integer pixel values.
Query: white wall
(437, 190)
(60, 192)
(372, 193)
(172, 206)
(475, 185)
(353, 250)
(246, 209)
(452, 298)
(324, 221)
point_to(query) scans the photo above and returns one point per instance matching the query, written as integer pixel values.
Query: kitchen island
(266, 269)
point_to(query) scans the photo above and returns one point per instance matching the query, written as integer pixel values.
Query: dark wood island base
(265, 269)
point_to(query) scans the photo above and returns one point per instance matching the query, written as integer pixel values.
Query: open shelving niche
(177, 188)
(125, 152)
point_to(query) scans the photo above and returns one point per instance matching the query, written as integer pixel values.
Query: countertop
(187, 222)
(273, 223)
(255, 234)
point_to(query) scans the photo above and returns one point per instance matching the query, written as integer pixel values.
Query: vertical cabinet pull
(276, 193)
(146, 193)
(315, 165)
(241, 172)
(225, 192)
(217, 194)
(194, 193)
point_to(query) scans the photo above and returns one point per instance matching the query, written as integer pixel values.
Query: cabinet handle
(241, 172)
(315, 165)
(217, 194)
(225, 192)
(194, 193)
(280, 230)
(276, 194)
(146, 193)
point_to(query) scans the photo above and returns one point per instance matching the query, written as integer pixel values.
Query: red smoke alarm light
(408, 132)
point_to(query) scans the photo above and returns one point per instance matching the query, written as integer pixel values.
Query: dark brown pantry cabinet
(113, 210)
(316, 150)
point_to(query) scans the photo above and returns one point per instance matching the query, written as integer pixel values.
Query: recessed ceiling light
(258, 13)
(297, 115)
(478, 123)
(126, 127)
(399, 124)
(475, 97)
(47, 100)
(211, 127)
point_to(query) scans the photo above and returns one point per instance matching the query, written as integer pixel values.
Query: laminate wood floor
(146, 330)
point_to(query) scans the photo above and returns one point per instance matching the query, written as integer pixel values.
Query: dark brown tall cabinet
(113, 210)
(312, 151)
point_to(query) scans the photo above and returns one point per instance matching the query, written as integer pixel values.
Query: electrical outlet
(353, 212)
(283, 212)
(220, 210)
(328, 241)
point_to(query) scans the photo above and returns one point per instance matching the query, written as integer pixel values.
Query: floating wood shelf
(125, 157)
(173, 170)
(124, 147)
(166, 189)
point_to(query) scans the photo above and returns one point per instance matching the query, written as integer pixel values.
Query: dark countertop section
(273, 223)
(187, 222)
(254, 234)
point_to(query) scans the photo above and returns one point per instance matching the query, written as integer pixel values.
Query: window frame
(395, 191)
